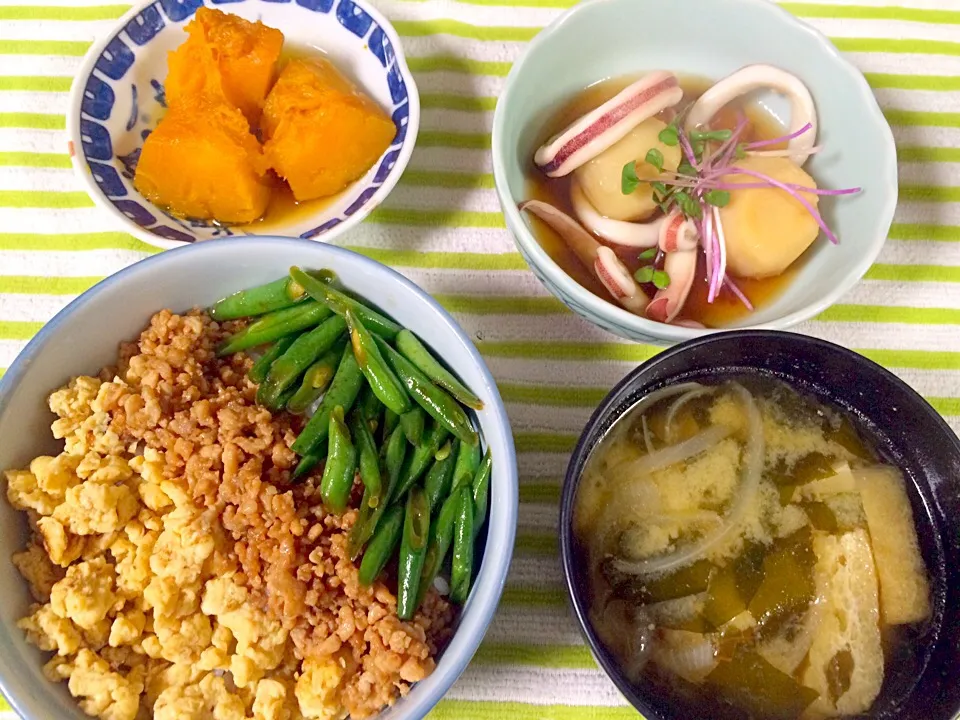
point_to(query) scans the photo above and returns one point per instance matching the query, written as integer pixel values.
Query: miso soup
(746, 544)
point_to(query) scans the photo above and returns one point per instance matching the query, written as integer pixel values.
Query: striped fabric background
(442, 227)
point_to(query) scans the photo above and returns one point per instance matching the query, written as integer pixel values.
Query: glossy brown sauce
(284, 209)
(726, 308)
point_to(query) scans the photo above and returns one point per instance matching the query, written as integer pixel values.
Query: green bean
(411, 348)
(274, 295)
(468, 460)
(382, 545)
(412, 423)
(294, 362)
(421, 457)
(441, 538)
(316, 379)
(445, 451)
(438, 404)
(262, 299)
(337, 481)
(309, 461)
(437, 483)
(373, 490)
(340, 302)
(462, 567)
(284, 399)
(413, 548)
(369, 462)
(261, 367)
(481, 492)
(275, 325)
(380, 377)
(390, 420)
(394, 451)
(370, 408)
(343, 391)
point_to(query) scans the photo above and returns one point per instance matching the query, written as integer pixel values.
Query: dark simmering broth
(744, 543)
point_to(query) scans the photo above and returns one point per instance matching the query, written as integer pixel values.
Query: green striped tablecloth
(442, 227)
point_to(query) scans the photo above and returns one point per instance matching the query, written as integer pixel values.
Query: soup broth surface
(745, 543)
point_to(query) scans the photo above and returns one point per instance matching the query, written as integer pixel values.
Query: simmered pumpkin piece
(201, 162)
(227, 57)
(321, 132)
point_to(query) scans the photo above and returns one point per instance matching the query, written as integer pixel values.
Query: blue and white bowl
(118, 98)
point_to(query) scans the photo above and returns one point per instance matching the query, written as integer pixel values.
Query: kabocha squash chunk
(228, 57)
(202, 163)
(321, 132)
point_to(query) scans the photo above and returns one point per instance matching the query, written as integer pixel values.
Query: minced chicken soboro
(177, 571)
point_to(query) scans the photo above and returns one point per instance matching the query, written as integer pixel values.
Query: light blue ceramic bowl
(84, 337)
(600, 39)
(117, 99)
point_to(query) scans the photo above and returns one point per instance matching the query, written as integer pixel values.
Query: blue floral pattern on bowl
(118, 98)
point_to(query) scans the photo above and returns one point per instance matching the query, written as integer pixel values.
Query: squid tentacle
(591, 134)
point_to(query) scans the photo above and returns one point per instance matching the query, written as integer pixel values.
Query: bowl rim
(489, 584)
(74, 142)
(633, 326)
(608, 406)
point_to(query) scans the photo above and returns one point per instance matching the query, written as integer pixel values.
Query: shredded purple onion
(781, 139)
(728, 281)
(707, 249)
(687, 148)
(729, 147)
(711, 185)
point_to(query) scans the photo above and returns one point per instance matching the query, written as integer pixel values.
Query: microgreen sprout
(716, 135)
(701, 185)
(628, 178)
(668, 136)
(649, 273)
(655, 158)
(717, 198)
